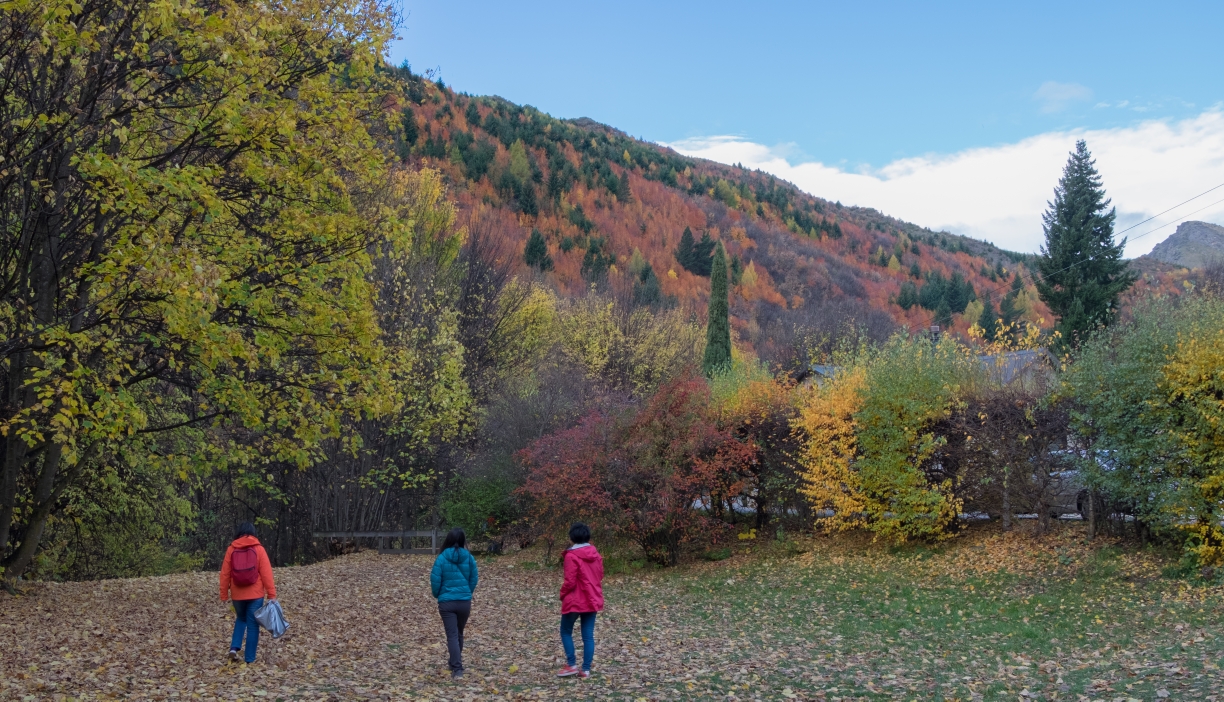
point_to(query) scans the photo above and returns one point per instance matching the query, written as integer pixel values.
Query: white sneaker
(233, 655)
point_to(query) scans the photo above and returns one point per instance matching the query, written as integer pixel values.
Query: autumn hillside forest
(253, 272)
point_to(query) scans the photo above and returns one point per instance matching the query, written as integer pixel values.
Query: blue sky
(859, 88)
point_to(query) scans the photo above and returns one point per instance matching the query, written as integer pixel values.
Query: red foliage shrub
(641, 474)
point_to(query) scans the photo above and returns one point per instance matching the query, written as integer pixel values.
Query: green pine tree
(737, 270)
(718, 330)
(536, 252)
(646, 289)
(596, 262)
(1081, 272)
(988, 320)
(684, 251)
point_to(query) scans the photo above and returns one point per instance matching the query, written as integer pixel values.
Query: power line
(1221, 185)
(1152, 231)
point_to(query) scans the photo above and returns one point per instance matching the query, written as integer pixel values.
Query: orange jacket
(261, 588)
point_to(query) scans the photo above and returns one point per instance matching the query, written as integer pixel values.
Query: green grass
(909, 623)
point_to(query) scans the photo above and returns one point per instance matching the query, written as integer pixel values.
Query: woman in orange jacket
(246, 577)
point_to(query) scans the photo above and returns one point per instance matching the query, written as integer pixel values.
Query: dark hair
(580, 533)
(245, 529)
(456, 538)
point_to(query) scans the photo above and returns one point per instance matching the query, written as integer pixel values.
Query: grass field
(987, 616)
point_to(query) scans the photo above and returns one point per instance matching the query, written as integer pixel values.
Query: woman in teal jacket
(453, 581)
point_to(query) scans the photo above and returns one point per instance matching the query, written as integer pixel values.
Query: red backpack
(244, 566)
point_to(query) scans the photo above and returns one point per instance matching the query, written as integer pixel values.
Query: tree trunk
(44, 499)
(1006, 502)
(1092, 515)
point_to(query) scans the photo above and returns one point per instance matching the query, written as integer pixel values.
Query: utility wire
(1152, 231)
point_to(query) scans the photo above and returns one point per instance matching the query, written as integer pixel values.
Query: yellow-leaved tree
(191, 198)
(871, 439)
(1193, 384)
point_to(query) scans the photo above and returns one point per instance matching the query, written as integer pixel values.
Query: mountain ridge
(1193, 245)
(607, 206)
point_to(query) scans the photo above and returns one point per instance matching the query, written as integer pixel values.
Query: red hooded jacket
(582, 590)
(265, 586)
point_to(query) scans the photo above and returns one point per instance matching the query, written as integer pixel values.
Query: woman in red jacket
(246, 577)
(581, 598)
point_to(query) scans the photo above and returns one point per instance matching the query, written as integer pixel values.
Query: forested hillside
(602, 208)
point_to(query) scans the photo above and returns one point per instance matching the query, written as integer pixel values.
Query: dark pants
(454, 617)
(588, 637)
(244, 622)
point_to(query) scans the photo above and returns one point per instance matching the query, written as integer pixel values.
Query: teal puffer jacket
(454, 575)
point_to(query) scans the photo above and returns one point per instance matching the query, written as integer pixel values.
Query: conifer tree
(988, 320)
(536, 252)
(684, 251)
(718, 329)
(646, 289)
(1081, 270)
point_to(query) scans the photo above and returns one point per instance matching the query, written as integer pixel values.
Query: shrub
(869, 437)
(639, 474)
(481, 505)
(1147, 398)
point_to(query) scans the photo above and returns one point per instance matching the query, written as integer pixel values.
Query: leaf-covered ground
(986, 617)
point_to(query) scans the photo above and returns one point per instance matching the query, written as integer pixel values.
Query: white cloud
(1055, 96)
(998, 193)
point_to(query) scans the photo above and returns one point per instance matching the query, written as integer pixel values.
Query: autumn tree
(189, 198)
(1081, 271)
(718, 329)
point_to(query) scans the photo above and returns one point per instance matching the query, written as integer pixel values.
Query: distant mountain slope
(608, 206)
(1193, 245)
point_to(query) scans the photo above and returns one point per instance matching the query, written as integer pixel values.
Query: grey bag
(272, 618)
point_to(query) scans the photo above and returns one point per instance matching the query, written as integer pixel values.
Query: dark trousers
(454, 617)
(244, 623)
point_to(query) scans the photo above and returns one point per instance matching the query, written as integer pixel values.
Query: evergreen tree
(718, 329)
(908, 297)
(737, 270)
(595, 262)
(988, 320)
(703, 252)
(527, 202)
(943, 313)
(684, 251)
(472, 115)
(1081, 270)
(411, 131)
(933, 292)
(1008, 314)
(536, 252)
(915, 270)
(646, 288)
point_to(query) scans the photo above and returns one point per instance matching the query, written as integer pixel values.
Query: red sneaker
(568, 671)
(584, 673)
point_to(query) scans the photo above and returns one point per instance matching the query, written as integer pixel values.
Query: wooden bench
(385, 536)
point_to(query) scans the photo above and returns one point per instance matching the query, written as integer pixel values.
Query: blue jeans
(588, 637)
(245, 622)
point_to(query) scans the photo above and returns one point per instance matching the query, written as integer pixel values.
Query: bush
(869, 437)
(1147, 399)
(638, 474)
(482, 506)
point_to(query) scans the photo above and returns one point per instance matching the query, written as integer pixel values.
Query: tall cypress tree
(718, 329)
(1081, 272)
